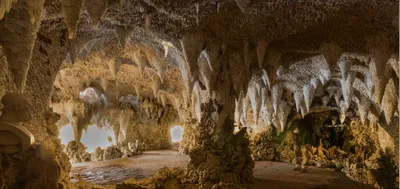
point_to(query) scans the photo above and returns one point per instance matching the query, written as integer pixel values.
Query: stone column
(220, 158)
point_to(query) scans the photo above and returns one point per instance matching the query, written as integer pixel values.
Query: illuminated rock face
(211, 66)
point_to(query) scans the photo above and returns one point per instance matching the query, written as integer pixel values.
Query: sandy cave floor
(271, 175)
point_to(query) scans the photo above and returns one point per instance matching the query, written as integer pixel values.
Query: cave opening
(92, 138)
(176, 134)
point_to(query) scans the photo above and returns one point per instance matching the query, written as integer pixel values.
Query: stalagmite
(308, 93)
(390, 100)
(71, 10)
(192, 45)
(332, 52)
(96, 10)
(261, 50)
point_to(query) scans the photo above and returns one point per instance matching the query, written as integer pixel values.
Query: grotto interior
(127, 94)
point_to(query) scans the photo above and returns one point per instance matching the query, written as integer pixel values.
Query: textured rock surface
(76, 152)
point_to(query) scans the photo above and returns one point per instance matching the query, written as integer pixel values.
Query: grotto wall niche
(366, 152)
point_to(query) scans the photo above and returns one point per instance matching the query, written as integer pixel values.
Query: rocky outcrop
(219, 156)
(112, 152)
(97, 154)
(76, 152)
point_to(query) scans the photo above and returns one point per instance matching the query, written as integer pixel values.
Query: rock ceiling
(274, 57)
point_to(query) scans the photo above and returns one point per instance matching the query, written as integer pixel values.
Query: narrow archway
(176, 134)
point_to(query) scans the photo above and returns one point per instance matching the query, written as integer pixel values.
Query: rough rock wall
(367, 153)
(190, 134)
(48, 54)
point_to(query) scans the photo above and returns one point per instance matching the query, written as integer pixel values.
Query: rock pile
(76, 152)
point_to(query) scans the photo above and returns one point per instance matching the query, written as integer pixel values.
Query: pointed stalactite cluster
(18, 33)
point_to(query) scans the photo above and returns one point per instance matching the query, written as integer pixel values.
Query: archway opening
(176, 133)
(93, 138)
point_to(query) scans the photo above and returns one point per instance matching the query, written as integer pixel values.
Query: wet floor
(271, 175)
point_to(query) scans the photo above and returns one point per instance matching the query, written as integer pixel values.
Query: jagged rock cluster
(264, 147)
(219, 156)
(76, 152)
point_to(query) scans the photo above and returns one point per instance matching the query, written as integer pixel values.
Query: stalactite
(141, 60)
(245, 107)
(276, 96)
(123, 33)
(255, 101)
(248, 54)
(332, 52)
(347, 88)
(243, 5)
(390, 100)
(308, 93)
(137, 90)
(379, 46)
(71, 10)
(363, 105)
(18, 32)
(284, 110)
(298, 98)
(147, 23)
(5, 7)
(345, 68)
(192, 45)
(261, 50)
(96, 10)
